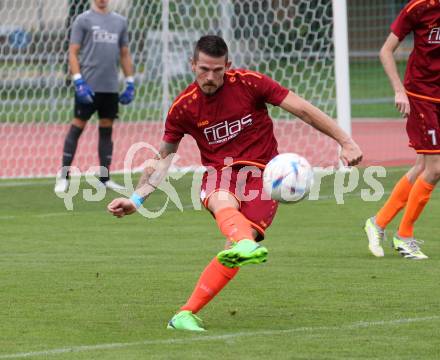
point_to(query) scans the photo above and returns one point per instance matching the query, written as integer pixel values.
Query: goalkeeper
(98, 46)
(225, 111)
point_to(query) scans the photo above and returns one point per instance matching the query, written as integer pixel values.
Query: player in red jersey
(418, 99)
(225, 111)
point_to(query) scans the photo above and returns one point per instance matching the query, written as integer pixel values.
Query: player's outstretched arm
(154, 173)
(351, 154)
(389, 64)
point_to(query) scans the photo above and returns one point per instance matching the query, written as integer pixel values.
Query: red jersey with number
(422, 17)
(232, 123)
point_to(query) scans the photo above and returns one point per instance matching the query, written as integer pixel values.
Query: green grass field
(85, 285)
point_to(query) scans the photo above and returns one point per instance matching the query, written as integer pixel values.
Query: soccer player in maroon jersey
(418, 99)
(225, 111)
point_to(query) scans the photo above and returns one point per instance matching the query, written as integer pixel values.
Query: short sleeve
(174, 129)
(403, 24)
(123, 39)
(78, 31)
(271, 91)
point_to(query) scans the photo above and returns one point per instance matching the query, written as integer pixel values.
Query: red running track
(34, 150)
(384, 143)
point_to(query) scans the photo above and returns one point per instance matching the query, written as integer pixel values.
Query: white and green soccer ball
(288, 178)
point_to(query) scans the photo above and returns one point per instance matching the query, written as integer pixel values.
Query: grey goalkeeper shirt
(101, 37)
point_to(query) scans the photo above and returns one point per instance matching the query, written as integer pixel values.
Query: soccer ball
(288, 178)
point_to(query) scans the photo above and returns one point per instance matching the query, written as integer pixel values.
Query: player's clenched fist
(121, 206)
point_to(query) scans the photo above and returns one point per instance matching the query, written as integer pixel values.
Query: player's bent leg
(237, 229)
(186, 320)
(376, 236)
(375, 226)
(217, 274)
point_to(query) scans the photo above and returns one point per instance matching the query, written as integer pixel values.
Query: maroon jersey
(233, 122)
(422, 17)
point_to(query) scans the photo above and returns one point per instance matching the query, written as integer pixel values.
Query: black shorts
(106, 104)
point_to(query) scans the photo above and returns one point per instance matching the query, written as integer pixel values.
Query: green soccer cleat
(186, 320)
(242, 253)
(376, 236)
(408, 248)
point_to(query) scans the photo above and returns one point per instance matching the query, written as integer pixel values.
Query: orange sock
(395, 202)
(233, 224)
(213, 279)
(418, 198)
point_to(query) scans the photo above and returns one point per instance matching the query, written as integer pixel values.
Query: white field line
(25, 183)
(64, 213)
(207, 338)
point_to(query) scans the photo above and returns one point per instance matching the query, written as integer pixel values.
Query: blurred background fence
(290, 40)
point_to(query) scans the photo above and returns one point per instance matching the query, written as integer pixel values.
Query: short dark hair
(211, 45)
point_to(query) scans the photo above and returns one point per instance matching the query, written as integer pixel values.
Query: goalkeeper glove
(128, 95)
(83, 91)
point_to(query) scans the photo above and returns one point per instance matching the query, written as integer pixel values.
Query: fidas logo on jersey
(434, 36)
(103, 36)
(226, 130)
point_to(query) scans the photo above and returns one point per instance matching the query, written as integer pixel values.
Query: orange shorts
(245, 183)
(423, 126)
